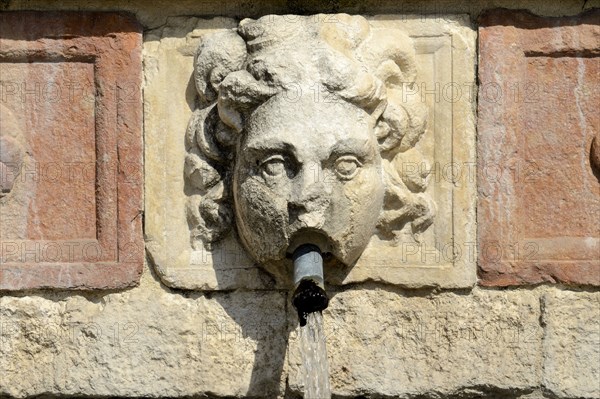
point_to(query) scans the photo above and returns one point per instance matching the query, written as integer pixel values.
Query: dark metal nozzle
(309, 294)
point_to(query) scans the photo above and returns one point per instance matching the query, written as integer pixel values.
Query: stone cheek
(539, 187)
(71, 154)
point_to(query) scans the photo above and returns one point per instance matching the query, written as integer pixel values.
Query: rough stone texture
(185, 344)
(539, 196)
(383, 343)
(168, 66)
(150, 341)
(211, 257)
(71, 156)
(145, 342)
(572, 344)
(153, 15)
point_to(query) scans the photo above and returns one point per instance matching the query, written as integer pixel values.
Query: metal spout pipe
(309, 286)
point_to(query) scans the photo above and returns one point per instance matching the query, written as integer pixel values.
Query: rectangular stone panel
(70, 150)
(538, 176)
(445, 254)
(37, 89)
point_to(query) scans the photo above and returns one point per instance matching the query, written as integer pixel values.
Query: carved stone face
(307, 172)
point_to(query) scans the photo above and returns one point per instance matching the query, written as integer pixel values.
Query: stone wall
(520, 319)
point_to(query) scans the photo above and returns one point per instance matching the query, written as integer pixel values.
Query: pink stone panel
(71, 150)
(538, 183)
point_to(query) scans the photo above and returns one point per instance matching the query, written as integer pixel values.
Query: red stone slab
(538, 181)
(70, 150)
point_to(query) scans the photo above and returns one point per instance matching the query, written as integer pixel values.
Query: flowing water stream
(314, 358)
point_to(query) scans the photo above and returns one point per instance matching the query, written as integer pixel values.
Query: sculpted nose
(309, 199)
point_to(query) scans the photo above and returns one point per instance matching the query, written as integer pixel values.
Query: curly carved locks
(337, 57)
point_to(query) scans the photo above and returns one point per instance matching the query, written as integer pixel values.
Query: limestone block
(572, 344)
(432, 242)
(381, 343)
(145, 342)
(71, 151)
(539, 187)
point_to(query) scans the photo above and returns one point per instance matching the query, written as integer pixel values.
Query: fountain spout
(309, 287)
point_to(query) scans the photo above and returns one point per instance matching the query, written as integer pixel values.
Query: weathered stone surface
(71, 156)
(155, 14)
(146, 342)
(168, 61)
(407, 248)
(151, 342)
(184, 344)
(539, 196)
(384, 343)
(572, 343)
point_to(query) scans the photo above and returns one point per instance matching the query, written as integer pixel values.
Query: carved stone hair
(338, 56)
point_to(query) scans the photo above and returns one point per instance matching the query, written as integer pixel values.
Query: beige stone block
(572, 343)
(146, 342)
(381, 342)
(157, 13)
(445, 254)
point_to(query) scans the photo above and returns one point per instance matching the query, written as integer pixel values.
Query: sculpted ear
(218, 55)
(402, 123)
(385, 45)
(391, 55)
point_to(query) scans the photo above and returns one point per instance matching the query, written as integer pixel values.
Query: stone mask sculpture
(299, 137)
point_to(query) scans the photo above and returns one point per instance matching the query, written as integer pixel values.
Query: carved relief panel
(354, 134)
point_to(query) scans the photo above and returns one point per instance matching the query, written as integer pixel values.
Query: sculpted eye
(273, 166)
(346, 167)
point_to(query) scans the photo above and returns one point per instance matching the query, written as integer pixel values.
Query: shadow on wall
(595, 156)
(262, 320)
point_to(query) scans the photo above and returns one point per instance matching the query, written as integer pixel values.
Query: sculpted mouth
(309, 235)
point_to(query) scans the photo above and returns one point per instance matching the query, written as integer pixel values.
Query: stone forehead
(285, 110)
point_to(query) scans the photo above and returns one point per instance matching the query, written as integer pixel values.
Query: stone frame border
(495, 227)
(112, 42)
